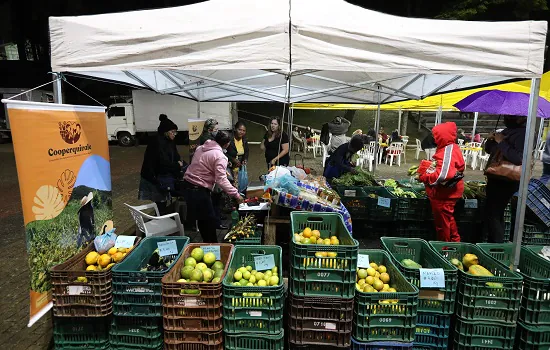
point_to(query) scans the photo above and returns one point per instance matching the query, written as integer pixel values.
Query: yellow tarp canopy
(432, 103)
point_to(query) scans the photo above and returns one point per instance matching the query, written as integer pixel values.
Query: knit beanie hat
(166, 124)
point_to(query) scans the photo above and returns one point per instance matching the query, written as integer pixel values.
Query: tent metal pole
(400, 114)
(476, 115)
(526, 169)
(57, 89)
(541, 132)
(377, 130)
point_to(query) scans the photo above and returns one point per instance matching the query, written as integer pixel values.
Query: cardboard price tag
(125, 241)
(470, 203)
(384, 202)
(264, 262)
(212, 249)
(363, 261)
(432, 278)
(167, 248)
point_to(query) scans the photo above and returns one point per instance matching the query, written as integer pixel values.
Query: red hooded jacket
(449, 161)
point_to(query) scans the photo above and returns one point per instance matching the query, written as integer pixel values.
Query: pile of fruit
(245, 276)
(100, 262)
(322, 259)
(245, 228)
(397, 191)
(201, 267)
(374, 279)
(361, 178)
(470, 264)
(412, 170)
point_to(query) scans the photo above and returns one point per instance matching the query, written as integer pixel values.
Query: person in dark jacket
(428, 145)
(509, 142)
(238, 151)
(448, 164)
(339, 162)
(162, 165)
(209, 131)
(395, 137)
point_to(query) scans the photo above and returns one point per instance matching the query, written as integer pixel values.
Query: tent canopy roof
(244, 50)
(445, 101)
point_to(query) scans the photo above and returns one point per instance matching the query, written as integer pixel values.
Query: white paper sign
(470, 203)
(264, 262)
(432, 278)
(167, 248)
(125, 241)
(255, 313)
(78, 290)
(350, 193)
(363, 261)
(384, 202)
(330, 325)
(212, 249)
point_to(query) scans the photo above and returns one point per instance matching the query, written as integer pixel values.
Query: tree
(493, 9)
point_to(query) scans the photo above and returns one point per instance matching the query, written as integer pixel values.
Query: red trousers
(444, 220)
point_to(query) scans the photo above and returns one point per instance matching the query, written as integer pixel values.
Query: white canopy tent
(299, 51)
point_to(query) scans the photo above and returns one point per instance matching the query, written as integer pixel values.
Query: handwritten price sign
(432, 278)
(363, 261)
(167, 248)
(384, 202)
(264, 262)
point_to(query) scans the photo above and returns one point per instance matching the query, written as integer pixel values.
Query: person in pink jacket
(208, 167)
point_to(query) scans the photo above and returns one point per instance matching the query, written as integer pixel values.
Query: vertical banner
(62, 158)
(195, 131)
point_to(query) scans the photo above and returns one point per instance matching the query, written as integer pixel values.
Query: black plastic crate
(538, 200)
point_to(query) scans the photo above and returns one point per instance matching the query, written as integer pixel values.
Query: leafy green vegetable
(362, 178)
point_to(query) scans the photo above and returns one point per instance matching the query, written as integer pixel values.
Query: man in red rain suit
(443, 179)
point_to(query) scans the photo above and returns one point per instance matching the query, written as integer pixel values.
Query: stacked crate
(487, 307)
(192, 311)
(533, 327)
(435, 305)
(383, 319)
(82, 304)
(321, 286)
(253, 315)
(137, 297)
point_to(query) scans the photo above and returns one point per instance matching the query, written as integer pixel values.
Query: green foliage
(362, 178)
(485, 9)
(51, 242)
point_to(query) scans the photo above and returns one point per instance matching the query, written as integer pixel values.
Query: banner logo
(70, 132)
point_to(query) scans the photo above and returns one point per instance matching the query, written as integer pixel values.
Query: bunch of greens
(474, 190)
(397, 191)
(362, 178)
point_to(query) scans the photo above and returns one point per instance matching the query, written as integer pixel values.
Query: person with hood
(339, 162)
(443, 179)
(162, 165)
(208, 167)
(338, 128)
(546, 161)
(509, 142)
(209, 131)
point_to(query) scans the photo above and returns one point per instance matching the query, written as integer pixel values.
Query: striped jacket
(448, 161)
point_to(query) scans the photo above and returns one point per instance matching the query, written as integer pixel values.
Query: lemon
(91, 258)
(378, 285)
(371, 271)
(307, 232)
(374, 266)
(262, 283)
(112, 251)
(384, 277)
(104, 260)
(369, 280)
(385, 287)
(91, 268)
(382, 269)
(361, 282)
(362, 273)
(118, 256)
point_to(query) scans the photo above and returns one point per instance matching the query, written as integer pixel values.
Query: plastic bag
(243, 179)
(286, 183)
(298, 173)
(105, 241)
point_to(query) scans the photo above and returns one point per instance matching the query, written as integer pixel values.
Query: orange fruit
(112, 251)
(118, 257)
(104, 260)
(307, 232)
(316, 233)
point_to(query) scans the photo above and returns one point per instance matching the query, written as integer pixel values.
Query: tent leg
(57, 89)
(526, 169)
(476, 115)
(376, 130)
(400, 114)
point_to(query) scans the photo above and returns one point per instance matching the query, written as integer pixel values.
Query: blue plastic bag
(105, 241)
(243, 179)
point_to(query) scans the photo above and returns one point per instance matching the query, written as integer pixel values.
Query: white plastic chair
(366, 156)
(541, 150)
(394, 151)
(325, 149)
(405, 140)
(460, 142)
(483, 159)
(418, 148)
(430, 153)
(155, 225)
(298, 142)
(315, 145)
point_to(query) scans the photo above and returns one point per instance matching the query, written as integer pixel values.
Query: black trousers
(200, 208)
(499, 193)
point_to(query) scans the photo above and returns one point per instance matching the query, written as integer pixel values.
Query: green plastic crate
(245, 313)
(139, 293)
(532, 337)
(322, 276)
(475, 299)
(135, 331)
(535, 234)
(432, 331)
(354, 199)
(376, 319)
(412, 209)
(81, 332)
(469, 335)
(376, 212)
(439, 300)
(251, 341)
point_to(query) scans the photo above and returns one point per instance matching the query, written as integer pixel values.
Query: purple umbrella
(502, 102)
